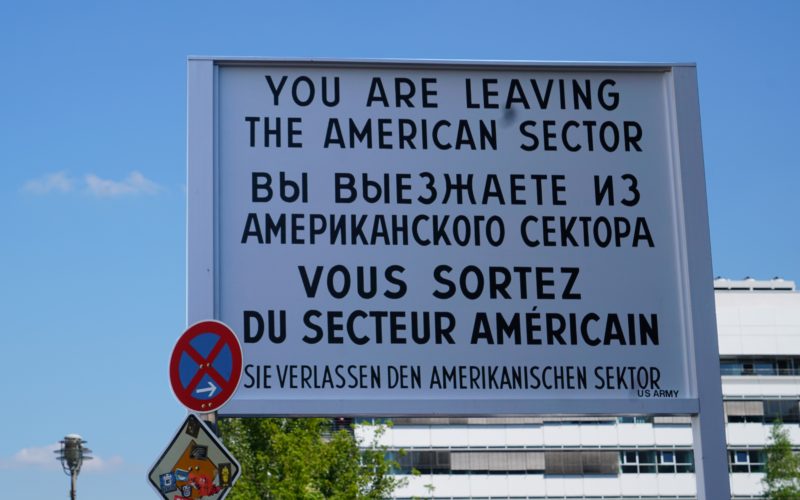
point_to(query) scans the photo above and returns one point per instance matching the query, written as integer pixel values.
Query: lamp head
(72, 453)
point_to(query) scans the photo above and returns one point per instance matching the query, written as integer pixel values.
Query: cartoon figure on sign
(224, 475)
(192, 427)
(202, 484)
(195, 472)
(167, 482)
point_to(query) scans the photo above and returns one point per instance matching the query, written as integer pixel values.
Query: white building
(624, 457)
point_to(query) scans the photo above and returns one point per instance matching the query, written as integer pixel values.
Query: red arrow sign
(205, 366)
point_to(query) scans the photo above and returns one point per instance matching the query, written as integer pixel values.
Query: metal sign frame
(694, 269)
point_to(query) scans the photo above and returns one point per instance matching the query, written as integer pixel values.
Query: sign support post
(708, 424)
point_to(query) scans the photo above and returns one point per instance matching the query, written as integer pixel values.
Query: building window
(565, 463)
(684, 461)
(731, 367)
(744, 411)
(581, 462)
(630, 462)
(425, 461)
(497, 462)
(763, 412)
(635, 420)
(660, 461)
(666, 462)
(760, 366)
(785, 410)
(743, 461)
(472, 462)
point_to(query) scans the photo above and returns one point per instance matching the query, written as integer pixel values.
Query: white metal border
(200, 195)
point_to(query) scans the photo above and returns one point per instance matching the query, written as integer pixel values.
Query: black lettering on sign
(273, 130)
(304, 90)
(339, 281)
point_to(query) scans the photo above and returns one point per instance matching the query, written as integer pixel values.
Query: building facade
(633, 457)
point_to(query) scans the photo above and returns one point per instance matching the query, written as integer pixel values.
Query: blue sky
(92, 176)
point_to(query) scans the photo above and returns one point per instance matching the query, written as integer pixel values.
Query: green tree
(782, 480)
(302, 459)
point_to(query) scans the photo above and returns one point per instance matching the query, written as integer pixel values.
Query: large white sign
(443, 238)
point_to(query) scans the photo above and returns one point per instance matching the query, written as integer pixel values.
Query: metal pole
(708, 425)
(211, 420)
(74, 482)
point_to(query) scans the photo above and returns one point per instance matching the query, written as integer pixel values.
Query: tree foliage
(782, 479)
(302, 459)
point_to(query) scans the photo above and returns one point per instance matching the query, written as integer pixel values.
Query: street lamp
(72, 454)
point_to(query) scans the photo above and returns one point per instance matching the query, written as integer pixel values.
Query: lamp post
(72, 454)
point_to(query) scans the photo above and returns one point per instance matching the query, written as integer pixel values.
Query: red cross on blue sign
(206, 366)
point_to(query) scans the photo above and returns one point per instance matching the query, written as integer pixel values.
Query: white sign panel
(432, 238)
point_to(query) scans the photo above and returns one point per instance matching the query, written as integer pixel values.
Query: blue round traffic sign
(206, 366)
